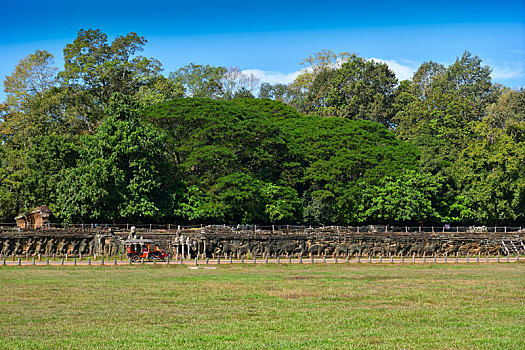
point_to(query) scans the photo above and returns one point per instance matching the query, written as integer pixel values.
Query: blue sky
(271, 38)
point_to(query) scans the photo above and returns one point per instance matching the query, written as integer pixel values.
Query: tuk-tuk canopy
(138, 241)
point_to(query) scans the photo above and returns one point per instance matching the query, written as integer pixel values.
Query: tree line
(109, 138)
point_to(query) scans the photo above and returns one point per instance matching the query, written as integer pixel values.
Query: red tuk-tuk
(140, 248)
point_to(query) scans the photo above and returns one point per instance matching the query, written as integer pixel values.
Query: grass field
(264, 307)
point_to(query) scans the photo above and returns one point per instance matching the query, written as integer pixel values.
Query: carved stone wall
(331, 242)
(218, 241)
(58, 242)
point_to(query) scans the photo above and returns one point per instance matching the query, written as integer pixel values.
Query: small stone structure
(37, 218)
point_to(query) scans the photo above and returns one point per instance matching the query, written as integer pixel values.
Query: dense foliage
(110, 139)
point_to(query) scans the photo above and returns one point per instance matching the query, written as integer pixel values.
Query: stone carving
(6, 247)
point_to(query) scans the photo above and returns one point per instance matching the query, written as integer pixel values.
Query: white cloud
(403, 72)
(273, 77)
(507, 71)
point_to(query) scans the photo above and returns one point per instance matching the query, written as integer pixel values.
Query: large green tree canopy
(214, 145)
(239, 156)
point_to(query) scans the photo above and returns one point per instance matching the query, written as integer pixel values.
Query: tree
(317, 209)
(12, 174)
(195, 206)
(33, 75)
(232, 157)
(123, 172)
(281, 92)
(443, 115)
(316, 64)
(345, 85)
(490, 176)
(200, 81)
(334, 156)
(282, 202)
(362, 89)
(409, 198)
(315, 100)
(30, 107)
(467, 78)
(236, 84)
(462, 91)
(311, 86)
(237, 198)
(161, 90)
(47, 159)
(440, 108)
(508, 109)
(425, 77)
(265, 91)
(94, 70)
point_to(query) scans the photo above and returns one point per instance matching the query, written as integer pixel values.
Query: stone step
(513, 246)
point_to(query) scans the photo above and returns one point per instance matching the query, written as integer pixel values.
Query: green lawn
(264, 307)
